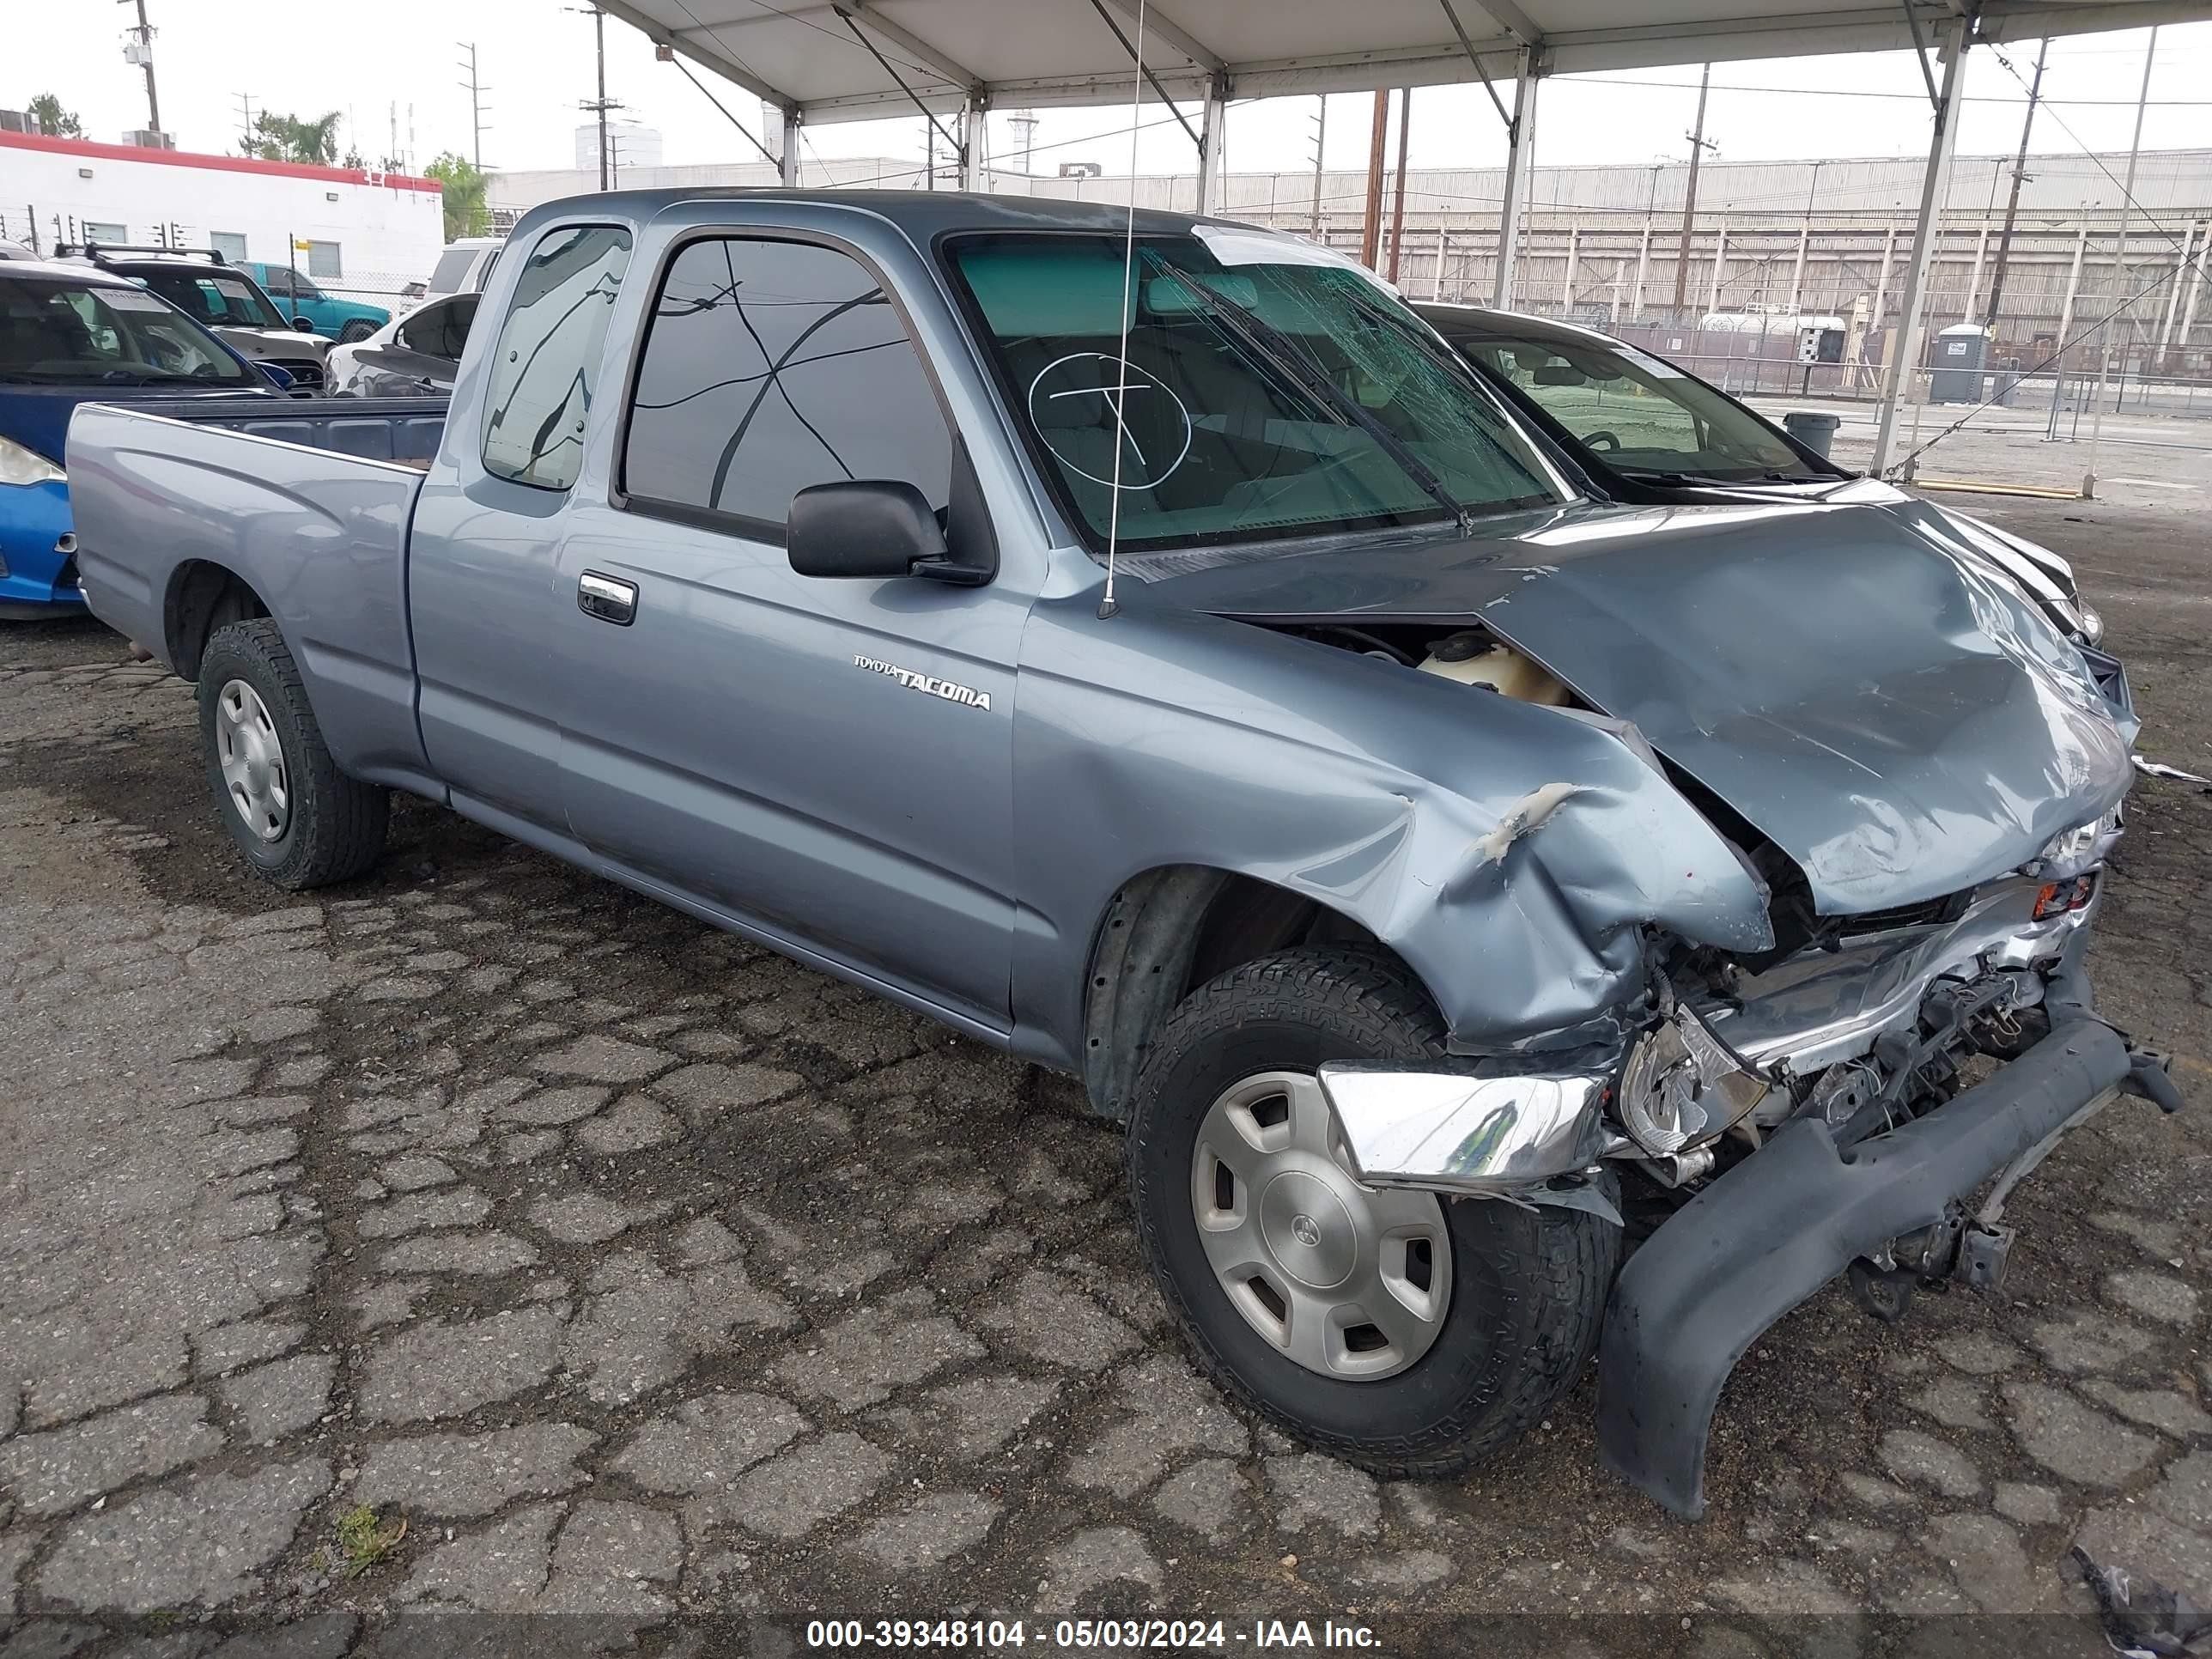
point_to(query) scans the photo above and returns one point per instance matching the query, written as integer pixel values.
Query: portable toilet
(1956, 372)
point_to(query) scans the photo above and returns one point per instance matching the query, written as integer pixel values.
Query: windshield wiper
(1264, 339)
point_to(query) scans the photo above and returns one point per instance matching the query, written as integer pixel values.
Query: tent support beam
(1175, 34)
(920, 49)
(971, 143)
(1475, 58)
(790, 160)
(676, 43)
(1212, 127)
(1935, 185)
(1145, 70)
(1521, 143)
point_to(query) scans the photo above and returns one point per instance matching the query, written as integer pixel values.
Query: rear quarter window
(547, 360)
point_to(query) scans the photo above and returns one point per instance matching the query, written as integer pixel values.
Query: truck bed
(402, 430)
(307, 500)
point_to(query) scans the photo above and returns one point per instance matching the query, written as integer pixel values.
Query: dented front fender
(1511, 854)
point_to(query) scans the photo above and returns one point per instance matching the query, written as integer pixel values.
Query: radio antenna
(1106, 606)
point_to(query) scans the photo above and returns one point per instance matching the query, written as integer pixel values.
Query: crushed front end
(1859, 1101)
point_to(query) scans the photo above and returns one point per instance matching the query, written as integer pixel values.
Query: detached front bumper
(1767, 1234)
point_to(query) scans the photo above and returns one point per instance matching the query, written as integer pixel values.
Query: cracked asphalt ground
(483, 1237)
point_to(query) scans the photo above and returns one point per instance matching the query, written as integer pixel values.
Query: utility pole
(1370, 224)
(602, 104)
(2012, 203)
(475, 90)
(1698, 147)
(145, 59)
(1398, 201)
(245, 121)
(1025, 124)
(2120, 278)
(1320, 140)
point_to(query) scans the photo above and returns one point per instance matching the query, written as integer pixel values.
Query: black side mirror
(303, 325)
(869, 528)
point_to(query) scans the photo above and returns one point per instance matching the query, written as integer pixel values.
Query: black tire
(1528, 1285)
(356, 331)
(335, 828)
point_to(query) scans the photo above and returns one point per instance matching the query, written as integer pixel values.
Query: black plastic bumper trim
(1787, 1220)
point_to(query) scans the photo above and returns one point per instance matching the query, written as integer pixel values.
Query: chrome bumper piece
(1457, 1133)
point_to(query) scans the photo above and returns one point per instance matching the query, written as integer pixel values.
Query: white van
(464, 266)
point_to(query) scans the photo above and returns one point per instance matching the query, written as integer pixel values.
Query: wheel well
(203, 597)
(1168, 932)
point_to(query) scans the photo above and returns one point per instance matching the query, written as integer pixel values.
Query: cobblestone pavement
(483, 1237)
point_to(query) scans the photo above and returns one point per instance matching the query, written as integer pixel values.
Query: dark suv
(199, 283)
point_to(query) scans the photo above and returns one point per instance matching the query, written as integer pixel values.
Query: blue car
(68, 335)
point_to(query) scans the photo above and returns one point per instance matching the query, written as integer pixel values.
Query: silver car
(410, 356)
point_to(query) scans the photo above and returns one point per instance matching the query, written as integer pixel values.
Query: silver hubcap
(252, 761)
(1347, 1281)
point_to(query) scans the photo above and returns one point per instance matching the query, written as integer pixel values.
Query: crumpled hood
(1901, 722)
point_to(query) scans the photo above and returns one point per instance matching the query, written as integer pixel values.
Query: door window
(770, 366)
(440, 330)
(547, 355)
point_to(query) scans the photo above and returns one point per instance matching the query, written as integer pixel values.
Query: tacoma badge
(934, 687)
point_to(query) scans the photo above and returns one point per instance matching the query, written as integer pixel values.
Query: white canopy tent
(821, 61)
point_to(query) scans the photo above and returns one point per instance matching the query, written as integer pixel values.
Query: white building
(629, 144)
(355, 232)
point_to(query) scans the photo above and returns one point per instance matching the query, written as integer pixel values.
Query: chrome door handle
(604, 598)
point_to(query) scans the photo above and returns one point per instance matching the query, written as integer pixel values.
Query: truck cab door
(828, 762)
(485, 593)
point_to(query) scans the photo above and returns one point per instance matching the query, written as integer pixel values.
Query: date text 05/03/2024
(1107, 1635)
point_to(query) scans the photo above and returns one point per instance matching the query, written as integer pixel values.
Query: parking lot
(483, 1236)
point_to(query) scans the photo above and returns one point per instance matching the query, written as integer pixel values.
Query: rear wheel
(1403, 1333)
(298, 820)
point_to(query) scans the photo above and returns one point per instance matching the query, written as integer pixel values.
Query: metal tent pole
(789, 168)
(1521, 143)
(971, 145)
(2120, 279)
(1212, 129)
(1934, 185)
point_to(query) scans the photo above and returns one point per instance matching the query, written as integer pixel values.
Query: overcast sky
(397, 61)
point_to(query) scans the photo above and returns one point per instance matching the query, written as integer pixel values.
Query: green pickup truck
(344, 320)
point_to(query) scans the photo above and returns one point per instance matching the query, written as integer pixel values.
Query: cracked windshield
(1262, 399)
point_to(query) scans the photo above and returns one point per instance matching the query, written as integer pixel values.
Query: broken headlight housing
(1681, 1086)
(2070, 852)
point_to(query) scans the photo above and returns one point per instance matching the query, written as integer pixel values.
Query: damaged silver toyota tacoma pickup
(1162, 658)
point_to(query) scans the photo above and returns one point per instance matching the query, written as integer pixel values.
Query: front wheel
(1403, 1333)
(298, 820)
(356, 331)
